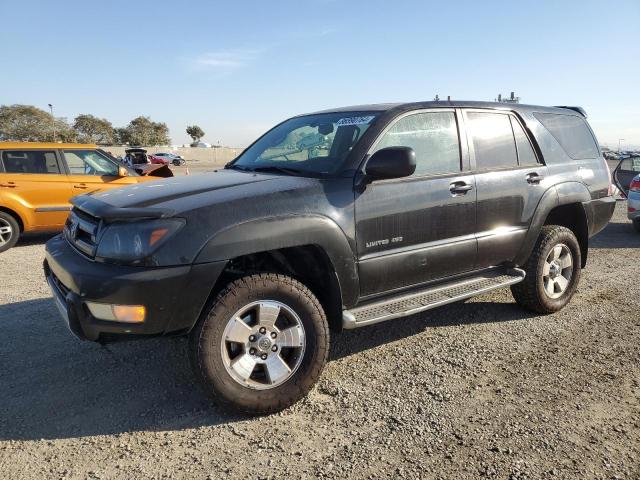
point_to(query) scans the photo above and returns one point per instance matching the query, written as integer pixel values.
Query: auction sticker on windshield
(354, 120)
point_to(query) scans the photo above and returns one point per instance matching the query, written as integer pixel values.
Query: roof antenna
(448, 98)
(437, 99)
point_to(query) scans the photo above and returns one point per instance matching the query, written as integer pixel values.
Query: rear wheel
(262, 344)
(552, 271)
(9, 231)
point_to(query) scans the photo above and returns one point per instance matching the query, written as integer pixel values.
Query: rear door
(419, 228)
(509, 180)
(625, 171)
(36, 180)
(90, 171)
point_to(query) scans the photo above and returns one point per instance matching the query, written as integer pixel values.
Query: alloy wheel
(263, 344)
(557, 271)
(6, 232)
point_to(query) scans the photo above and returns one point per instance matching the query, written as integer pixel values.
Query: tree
(25, 123)
(142, 131)
(92, 129)
(195, 132)
(64, 131)
(120, 135)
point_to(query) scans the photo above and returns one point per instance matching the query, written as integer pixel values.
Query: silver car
(627, 177)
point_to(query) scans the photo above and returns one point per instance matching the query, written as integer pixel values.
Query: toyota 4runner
(332, 220)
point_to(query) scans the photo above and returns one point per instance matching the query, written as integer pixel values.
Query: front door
(90, 171)
(36, 180)
(510, 183)
(419, 228)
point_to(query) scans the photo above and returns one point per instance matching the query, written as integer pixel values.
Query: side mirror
(122, 172)
(391, 162)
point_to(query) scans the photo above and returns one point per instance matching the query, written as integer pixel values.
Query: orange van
(38, 179)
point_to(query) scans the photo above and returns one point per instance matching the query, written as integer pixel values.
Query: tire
(9, 231)
(636, 224)
(534, 292)
(269, 388)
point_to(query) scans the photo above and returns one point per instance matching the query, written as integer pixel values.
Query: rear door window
(30, 161)
(434, 138)
(630, 165)
(493, 141)
(526, 155)
(572, 133)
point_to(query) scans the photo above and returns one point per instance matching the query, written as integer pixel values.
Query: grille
(81, 231)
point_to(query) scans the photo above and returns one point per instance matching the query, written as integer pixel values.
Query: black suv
(336, 219)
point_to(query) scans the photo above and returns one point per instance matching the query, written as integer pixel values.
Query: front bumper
(173, 296)
(633, 202)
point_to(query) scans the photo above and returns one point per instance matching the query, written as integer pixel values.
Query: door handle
(81, 186)
(8, 185)
(534, 178)
(460, 188)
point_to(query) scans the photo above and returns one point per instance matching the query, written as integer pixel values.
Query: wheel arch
(15, 215)
(560, 205)
(310, 248)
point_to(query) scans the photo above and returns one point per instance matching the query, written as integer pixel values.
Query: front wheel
(552, 271)
(262, 345)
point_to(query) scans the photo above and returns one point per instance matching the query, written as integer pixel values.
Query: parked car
(157, 160)
(627, 177)
(38, 179)
(166, 159)
(137, 159)
(409, 207)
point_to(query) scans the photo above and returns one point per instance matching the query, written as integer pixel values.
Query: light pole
(53, 121)
(620, 140)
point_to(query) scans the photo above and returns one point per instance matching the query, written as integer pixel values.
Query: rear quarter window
(572, 133)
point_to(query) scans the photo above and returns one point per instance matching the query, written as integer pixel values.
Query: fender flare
(566, 193)
(273, 233)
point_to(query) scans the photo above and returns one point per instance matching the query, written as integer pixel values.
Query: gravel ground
(476, 389)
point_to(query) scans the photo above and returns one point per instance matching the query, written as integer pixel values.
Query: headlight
(133, 242)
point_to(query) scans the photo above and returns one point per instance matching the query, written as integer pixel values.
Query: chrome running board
(428, 298)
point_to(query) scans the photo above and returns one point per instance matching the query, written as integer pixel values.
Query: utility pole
(620, 140)
(53, 122)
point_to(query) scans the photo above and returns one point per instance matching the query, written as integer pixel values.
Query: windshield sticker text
(354, 120)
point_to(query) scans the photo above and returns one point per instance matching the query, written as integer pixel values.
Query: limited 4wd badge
(354, 120)
(385, 241)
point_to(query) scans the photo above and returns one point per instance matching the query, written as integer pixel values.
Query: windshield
(316, 144)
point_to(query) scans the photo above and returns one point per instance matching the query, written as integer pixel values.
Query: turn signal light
(117, 313)
(129, 313)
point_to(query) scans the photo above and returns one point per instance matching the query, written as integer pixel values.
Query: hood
(189, 192)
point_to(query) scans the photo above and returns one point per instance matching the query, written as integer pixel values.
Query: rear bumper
(173, 296)
(599, 212)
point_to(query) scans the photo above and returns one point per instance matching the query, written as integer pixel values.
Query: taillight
(606, 167)
(635, 185)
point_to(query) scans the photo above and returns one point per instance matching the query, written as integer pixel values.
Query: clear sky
(237, 67)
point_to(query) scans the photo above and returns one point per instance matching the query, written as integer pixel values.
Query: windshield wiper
(276, 169)
(230, 166)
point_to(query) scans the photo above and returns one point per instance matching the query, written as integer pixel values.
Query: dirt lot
(475, 389)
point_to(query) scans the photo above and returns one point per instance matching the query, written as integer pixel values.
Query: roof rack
(580, 110)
